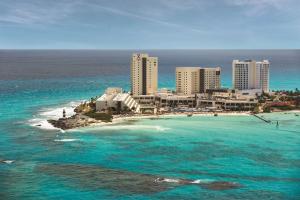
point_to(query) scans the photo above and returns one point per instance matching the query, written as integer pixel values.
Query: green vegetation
(295, 92)
(287, 107)
(256, 109)
(86, 107)
(100, 116)
(267, 109)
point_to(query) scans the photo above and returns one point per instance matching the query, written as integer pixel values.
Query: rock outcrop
(76, 121)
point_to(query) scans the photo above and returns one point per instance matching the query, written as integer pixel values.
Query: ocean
(123, 161)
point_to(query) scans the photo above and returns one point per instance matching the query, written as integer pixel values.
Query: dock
(263, 119)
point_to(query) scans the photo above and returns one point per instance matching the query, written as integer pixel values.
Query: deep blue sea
(122, 161)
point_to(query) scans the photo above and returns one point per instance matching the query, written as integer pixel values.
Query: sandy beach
(121, 118)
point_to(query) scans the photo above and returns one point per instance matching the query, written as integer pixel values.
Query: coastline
(55, 114)
(121, 118)
(118, 119)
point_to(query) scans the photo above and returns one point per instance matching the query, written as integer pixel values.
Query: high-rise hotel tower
(143, 74)
(192, 80)
(250, 74)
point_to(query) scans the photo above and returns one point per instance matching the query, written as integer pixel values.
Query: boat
(216, 114)
(190, 114)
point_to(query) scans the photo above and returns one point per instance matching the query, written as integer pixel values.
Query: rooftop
(121, 97)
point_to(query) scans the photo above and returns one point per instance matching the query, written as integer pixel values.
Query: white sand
(118, 118)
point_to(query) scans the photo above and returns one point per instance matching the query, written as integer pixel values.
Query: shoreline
(121, 119)
(44, 124)
(173, 115)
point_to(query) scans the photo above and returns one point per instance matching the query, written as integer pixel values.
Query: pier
(262, 118)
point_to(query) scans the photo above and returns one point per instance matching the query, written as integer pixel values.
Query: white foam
(169, 180)
(40, 120)
(129, 127)
(56, 112)
(42, 123)
(66, 140)
(8, 161)
(182, 181)
(196, 181)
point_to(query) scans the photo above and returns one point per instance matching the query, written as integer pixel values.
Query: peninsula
(198, 91)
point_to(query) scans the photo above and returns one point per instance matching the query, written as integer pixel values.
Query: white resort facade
(197, 89)
(116, 101)
(250, 74)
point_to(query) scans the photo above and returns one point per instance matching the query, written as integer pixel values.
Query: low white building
(227, 99)
(165, 99)
(116, 101)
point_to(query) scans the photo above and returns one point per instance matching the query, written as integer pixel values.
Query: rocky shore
(85, 115)
(76, 121)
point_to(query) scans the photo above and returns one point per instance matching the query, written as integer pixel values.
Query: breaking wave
(169, 180)
(8, 161)
(66, 140)
(126, 127)
(40, 120)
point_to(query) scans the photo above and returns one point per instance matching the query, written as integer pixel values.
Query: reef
(97, 177)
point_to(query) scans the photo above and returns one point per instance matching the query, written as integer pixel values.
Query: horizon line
(150, 49)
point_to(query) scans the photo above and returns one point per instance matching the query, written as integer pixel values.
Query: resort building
(227, 99)
(264, 74)
(165, 99)
(143, 74)
(210, 78)
(114, 100)
(250, 74)
(187, 80)
(193, 80)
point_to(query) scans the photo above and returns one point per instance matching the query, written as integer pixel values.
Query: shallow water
(124, 160)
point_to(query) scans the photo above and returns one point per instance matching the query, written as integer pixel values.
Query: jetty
(262, 118)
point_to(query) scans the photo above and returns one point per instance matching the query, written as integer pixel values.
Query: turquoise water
(124, 160)
(110, 162)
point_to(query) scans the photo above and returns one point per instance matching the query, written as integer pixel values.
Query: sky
(149, 24)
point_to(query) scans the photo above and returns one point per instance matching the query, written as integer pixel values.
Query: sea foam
(66, 140)
(8, 161)
(124, 127)
(40, 120)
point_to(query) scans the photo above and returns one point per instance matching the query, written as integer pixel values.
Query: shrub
(100, 116)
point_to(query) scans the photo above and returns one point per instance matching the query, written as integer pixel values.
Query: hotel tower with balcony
(193, 80)
(250, 74)
(143, 74)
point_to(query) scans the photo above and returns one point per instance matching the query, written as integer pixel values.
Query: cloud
(184, 5)
(129, 14)
(51, 12)
(35, 12)
(258, 7)
(260, 3)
